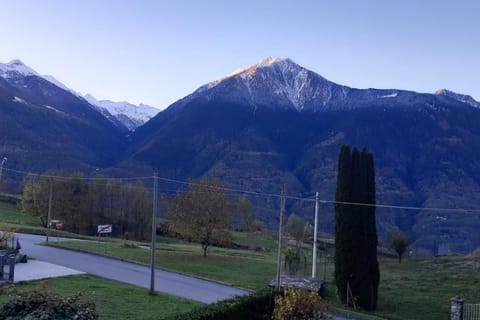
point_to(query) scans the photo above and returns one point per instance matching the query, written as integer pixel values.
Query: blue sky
(159, 51)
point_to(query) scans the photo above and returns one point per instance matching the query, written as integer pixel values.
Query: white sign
(104, 228)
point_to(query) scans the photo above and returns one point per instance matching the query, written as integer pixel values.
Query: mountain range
(123, 114)
(259, 127)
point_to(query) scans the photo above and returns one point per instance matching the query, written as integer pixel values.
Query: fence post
(456, 309)
(11, 270)
(2, 265)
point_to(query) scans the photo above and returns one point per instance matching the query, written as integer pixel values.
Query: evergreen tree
(356, 267)
(343, 249)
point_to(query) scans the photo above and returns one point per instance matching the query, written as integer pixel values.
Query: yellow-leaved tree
(201, 214)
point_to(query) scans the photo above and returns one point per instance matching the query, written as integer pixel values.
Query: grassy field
(9, 213)
(12, 219)
(243, 268)
(415, 289)
(113, 300)
(265, 241)
(421, 289)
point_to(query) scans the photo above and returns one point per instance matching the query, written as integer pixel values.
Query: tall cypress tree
(356, 265)
(372, 239)
(343, 249)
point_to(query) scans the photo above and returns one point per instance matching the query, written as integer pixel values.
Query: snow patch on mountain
(53, 80)
(276, 83)
(264, 63)
(16, 69)
(52, 108)
(392, 95)
(132, 116)
(19, 100)
(458, 96)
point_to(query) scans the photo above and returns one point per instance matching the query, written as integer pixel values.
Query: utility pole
(280, 237)
(1, 166)
(49, 215)
(314, 255)
(154, 235)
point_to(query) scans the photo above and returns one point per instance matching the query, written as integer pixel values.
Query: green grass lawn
(12, 219)
(415, 289)
(113, 300)
(266, 241)
(10, 213)
(243, 268)
(421, 289)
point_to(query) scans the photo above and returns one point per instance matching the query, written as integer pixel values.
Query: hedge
(256, 306)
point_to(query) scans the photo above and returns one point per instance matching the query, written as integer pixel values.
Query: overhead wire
(42, 175)
(247, 192)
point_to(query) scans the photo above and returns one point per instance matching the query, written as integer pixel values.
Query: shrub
(41, 303)
(298, 304)
(292, 260)
(257, 306)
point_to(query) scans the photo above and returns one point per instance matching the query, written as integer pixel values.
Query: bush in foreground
(257, 306)
(299, 304)
(41, 303)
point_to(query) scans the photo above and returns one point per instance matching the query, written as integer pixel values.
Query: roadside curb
(146, 265)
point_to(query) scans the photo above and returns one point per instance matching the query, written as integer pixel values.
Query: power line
(388, 206)
(252, 193)
(98, 184)
(76, 177)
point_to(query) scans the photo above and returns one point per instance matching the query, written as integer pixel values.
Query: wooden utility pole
(280, 237)
(49, 214)
(154, 235)
(314, 255)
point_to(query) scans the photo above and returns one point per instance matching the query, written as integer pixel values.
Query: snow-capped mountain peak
(264, 63)
(458, 96)
(15, 69)
(274, 82)
(120, 113)
(59, 84)
(130, 115)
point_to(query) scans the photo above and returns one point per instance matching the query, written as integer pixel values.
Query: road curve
(165, 282)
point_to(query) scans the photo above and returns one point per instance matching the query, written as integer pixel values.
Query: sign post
(104, 229)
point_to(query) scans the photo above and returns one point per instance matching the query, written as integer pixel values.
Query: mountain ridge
(130, 115)
(295, 87)
(245, 130)
(122, 114)
(266, 125)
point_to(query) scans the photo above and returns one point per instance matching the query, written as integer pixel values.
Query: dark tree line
(82, 204)
(357, 273)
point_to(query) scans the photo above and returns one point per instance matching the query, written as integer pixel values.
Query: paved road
(165, 282)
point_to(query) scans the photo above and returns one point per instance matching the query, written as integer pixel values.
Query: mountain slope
(124, 115)
(44, 126)
(130, 115)
(259, 127)
(458, 96)
(277, 122)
